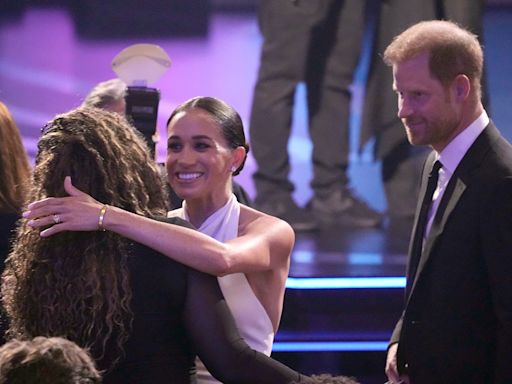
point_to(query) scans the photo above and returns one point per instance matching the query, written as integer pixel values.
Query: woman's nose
(186, 156)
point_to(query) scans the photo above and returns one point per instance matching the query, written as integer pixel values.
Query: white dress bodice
(250, 316)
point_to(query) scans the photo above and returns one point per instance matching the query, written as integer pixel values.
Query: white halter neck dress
(250, 316)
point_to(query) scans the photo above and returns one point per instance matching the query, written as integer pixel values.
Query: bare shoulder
(254, 221)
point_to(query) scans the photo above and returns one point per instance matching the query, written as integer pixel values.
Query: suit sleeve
(497, 251)
(395, 336)
(215, 337)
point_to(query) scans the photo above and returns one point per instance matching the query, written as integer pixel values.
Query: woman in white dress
(247, 249)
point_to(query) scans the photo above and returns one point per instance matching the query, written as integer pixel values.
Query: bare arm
(266, 244)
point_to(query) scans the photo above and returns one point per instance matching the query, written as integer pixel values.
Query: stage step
(341, 330)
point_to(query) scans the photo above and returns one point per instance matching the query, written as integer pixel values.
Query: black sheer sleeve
(216, 339)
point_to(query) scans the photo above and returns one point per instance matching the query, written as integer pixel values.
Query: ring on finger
(56, 219)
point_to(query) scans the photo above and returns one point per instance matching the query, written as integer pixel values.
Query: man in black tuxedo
(457, 323)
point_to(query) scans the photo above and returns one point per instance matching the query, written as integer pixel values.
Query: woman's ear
(239, 154)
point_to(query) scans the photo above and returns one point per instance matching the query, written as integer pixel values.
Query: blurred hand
(391, 367)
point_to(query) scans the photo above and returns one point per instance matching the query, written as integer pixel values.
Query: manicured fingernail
(31, 223)
(25, 214)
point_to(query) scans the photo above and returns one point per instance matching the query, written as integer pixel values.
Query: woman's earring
(233, 169)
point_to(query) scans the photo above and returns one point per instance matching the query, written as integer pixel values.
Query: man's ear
(462, 87)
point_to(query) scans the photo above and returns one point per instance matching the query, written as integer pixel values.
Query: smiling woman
(249, 249)
(206, 147)
(198, 157)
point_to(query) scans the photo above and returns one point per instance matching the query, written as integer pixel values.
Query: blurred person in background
(318, 43)
(108, 95)
(46, 360)
(14, 179)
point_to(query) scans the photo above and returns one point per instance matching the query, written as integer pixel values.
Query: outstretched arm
(266, 245)
(213, 332)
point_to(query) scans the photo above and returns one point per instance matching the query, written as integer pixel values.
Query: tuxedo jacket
(457, 323)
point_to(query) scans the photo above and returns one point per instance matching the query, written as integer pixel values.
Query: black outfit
(401, 162)
(179, 312)
(457, 322)
(7, 227)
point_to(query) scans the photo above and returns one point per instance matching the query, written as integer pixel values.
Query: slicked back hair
(226, 117)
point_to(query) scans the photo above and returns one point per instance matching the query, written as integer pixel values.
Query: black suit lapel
(453, 193)
(451, 197)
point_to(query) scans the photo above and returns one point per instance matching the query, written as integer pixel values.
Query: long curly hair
(76, 284)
